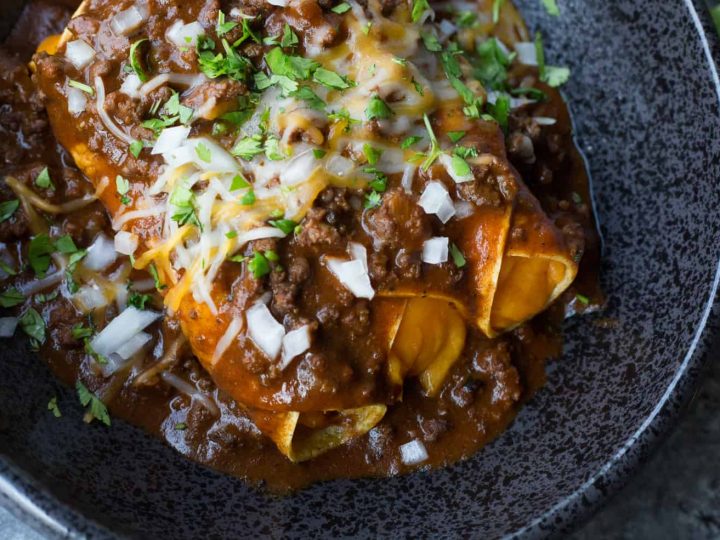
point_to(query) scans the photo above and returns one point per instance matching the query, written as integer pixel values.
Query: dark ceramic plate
(644, 91)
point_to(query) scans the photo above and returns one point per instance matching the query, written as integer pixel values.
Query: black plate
(644, 91)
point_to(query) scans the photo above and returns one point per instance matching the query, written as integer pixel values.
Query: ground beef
(399, 222)
(224, 91)
(315, 230)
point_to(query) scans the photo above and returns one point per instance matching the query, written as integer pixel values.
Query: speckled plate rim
(25, 498)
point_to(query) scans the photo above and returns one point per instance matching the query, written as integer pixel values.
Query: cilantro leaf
(138, 300)
(122, 185)
(33, 325)
(8, 208)
(43, 180)
(457, 256)
(377, 109)
(136, 61)
(53, 407)
(259, 265)
(248, 147)
(330, 79)
(203, 153)
(496, 6)
(11, 297)
(238, 182)
(551, 7)
(293, 67)
(310, 97)
(285, 225)
(289, 38)
(409, 141)
(372, 200)
(418, 9)
(341, 8)
(98, 410)
(371, 154)
(455, 136)
(39, 251)
(222, 27)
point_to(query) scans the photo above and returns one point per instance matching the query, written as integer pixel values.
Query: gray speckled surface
(647, 115)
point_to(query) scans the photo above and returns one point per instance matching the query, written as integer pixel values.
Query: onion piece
(359, 253)
(352, 275)
(101, 254)
(129, 20)
(126, 242)
(294, 344)
(436, 200)
(76, 101)
(408, 177)
(299, 168)
(258, 233)
(435, 250)
(133, 345)
(413, 452)
(79, 53)
(89, 298)
(184, 35)
(38, 285)
(279, 3)
(8, 326)
(544, 121)
(121, 329)
(264, 330)
(526, 53)
(170, 139)
(464, 209)
(131, 85)
(108, 122)
(180, 79)
(339, 166)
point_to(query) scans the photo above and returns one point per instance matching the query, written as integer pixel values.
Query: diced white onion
(133, 345)
(299, 168)
(89, 298)
(545, 121)
(8, 326)
(279, 3)
(353, 276)
(407, 178)
(464, 209)
(79, 53)
(295, 343)
(359, 253)
(126, 242)
(436, 200)
(264, 330)
(170, 139)
(185, 35)
(446, 161)
(413, 452)
(101, 254)
(526, 53)
(233, 329)
(129, 20)
(76, 101)
(435, 250)
(339, 166)
(35, 286)
(131, 85)
(447, 28)
(123, 327)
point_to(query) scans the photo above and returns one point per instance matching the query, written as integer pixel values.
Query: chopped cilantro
(330, 79)
(310, 97)
(203, 152)
(213, 65)
(372, 200)
(11, 297)
(8, 208)
(43, 298)
(138, 300)
(285, 225)
(582, 299)
(222, 27)
(551, 7)
(53, 407)
(289, 38)
(459, 166)
(409, 141)
(33, 325)
(530, 93)
(341, 8)
(466, 19)
(377, 109)
(491, 68)
(239, 182)
(319, 153)
(181, 426)
(418, 9)
(272, 149)
(248, 198)
(371, 154)
(39, 252)
(183, 199)
(123, 188)
(500, 110)
(497, 5)
(136, 61)
(65, 244)
(80, 332)
(5, 267)
(455, 136)
(248, 147)
(293, 67)
(98, 410)
(136, 147)
(430, 41)
(159, 285)
(43, 180)
(552, 75)
(434, 152)
(343, 116)
(259, 265)
(457, 256)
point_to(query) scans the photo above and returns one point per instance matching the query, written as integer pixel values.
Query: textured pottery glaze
(644, 97)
